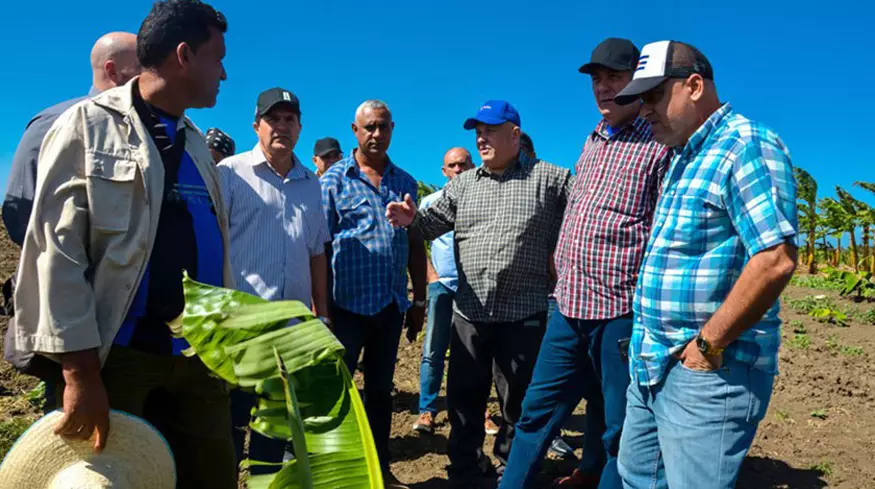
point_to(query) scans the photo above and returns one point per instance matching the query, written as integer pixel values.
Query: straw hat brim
(136, 451)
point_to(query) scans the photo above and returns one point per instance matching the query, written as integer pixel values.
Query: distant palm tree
(869, 218)
(808, 218)
(852, 220)
(835, 221)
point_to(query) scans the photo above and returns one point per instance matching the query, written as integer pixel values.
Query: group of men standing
(665, 255)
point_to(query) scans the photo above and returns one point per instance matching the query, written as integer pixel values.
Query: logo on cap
(286, 96)
(642, 62)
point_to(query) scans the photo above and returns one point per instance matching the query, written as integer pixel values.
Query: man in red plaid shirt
(604, 234)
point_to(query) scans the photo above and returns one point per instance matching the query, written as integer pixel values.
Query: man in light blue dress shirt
(442, 281)
(277, 232)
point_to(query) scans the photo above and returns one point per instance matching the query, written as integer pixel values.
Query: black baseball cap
(270, 98)
(526, 142)
(613, 53)
(219, 141)
(325, 146)
(656, 65)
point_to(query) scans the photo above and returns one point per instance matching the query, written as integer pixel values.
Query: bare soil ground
(819, 431)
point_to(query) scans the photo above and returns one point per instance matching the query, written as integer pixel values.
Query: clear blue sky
(806, 71)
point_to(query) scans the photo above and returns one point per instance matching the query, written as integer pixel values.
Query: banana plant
(305, 392)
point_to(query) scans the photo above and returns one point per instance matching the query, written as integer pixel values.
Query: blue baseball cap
(493, 113)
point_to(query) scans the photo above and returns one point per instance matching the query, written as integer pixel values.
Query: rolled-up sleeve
(760, 196)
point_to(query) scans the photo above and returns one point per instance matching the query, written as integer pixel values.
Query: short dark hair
(172, 22)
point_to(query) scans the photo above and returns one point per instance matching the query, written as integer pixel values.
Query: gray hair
(371, 105)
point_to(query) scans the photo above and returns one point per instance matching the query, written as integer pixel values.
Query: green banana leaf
(305, 392)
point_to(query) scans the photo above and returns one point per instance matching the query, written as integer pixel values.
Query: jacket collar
(121, 100)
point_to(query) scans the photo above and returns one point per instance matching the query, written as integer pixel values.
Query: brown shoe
(392, 482)
(425, 423)
(577, 480)
(490, 426)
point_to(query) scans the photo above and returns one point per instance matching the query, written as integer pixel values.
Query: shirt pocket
(353, 211)
(111, 181)
(700, 224)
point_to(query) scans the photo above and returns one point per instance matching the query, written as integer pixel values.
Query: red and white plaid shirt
(607, 221)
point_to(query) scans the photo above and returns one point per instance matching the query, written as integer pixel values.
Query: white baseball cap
(655, 66)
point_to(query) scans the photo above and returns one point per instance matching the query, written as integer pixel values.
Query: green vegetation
(305, 393)
(819, 414)
(823, 468)
(852, 351)
(834, 218)
(782, 415)
(800, 341)
(37, 396)
(10, 431)
(798, 326)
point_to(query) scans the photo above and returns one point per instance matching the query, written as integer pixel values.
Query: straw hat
(136, 457)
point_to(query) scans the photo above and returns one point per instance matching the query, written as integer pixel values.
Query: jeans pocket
(699, 372)
(760, 394)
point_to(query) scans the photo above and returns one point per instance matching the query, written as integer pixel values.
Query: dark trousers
(261, 448)
(479, 353)
(578, 358)
(378, 336)
(189, 407)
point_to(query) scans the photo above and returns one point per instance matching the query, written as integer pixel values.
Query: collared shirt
(443, 254)
(21, 187)
(369, 255)
(506, 228)
(276, 225)
(608, 221)
(728, 195)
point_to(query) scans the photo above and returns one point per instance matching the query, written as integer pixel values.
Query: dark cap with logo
(659, 63)
(612, 53)
(219, 141)
(325, 146)
(270, 98)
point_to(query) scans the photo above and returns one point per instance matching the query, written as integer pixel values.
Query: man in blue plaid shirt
(369, 261)
(704, 347)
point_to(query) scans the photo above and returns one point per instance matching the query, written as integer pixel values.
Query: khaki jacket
(100, 183)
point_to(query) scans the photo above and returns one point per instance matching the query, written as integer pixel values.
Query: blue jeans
(692, 430)
(578, 358)
(437, 340)
(378, 337)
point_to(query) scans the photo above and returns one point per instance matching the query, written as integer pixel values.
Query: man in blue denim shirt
(442, 280)
(369, 261)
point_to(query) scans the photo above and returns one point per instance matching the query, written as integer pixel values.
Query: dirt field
(819, 431)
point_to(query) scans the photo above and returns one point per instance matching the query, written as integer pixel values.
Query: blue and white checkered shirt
(369, 255)
(728, 195)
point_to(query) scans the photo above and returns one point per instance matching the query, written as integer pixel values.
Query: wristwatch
(706, 348)
(326, 320)
(420, 303)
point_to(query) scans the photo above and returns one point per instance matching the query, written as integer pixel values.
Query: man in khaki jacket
(128, 197)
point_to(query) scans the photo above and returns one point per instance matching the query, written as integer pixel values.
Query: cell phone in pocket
(623, 345)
